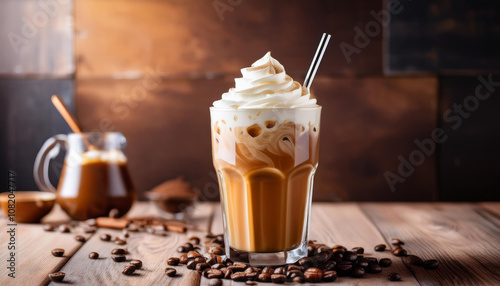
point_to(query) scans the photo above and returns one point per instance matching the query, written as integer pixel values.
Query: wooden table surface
(464, 237)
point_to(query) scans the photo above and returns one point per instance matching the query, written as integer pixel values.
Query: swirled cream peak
(265, 85)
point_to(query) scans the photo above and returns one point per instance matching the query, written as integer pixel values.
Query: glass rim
(260, 109)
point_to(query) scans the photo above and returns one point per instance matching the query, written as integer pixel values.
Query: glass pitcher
(94, 177)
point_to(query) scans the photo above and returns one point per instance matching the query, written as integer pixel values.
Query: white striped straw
(317, 60)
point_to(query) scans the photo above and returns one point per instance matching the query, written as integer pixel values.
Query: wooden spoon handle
(63, 110)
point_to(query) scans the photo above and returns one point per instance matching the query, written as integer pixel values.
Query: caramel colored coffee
(265, 174)
(93, 188)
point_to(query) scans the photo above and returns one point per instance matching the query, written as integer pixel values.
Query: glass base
(267, 258)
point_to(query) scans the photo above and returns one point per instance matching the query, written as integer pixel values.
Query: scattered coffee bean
(170, 272)
(183, 259)
(344, 268)
(298, 279)
(278, 278)
(113, 213)
(350, 256)
(202, 266)
(125, 233)
(215, 282)
(118, 257)
(414, 260)
(264, 277)
(80, 238)
(93, 255)
(361, 262)
(105, 237)
(306, 262)
(118, 251)
(374, 268)
(279, 270)
(57, 252)
(380, 247)
(193, 254)
(329, 276)
(218, 266)
(399, 252)
(64, 228)
(120, 242)
(430, 264)
(128, 270)
(385, 262)
(216, 250)
(89, 229)
(358, 250)
(191, 264)
(194, 240)
(239, 276)
(214, 273)
(371, 260)
(48, 227)
(357, 272)
(294, 273)
(57, 277)
(251, 276)
(329, 265)
(397, 242)
(137, 263)
(394, 277)
(174, 261)
(313, 275)
(268, 269)
(227, 273)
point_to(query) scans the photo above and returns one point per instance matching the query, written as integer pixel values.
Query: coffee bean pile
(323, 263)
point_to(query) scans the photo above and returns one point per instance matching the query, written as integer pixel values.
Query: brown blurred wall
(150, 69)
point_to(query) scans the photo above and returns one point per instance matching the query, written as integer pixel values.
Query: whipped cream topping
(265, 85)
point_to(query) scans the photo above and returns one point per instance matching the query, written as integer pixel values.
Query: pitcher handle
(49, 150)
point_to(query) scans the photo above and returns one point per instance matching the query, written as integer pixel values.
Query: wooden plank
(153, 250)
(37, 39)
(457, 235)
(33, 250)
(493, 207)
(345, 224)
(187, 38)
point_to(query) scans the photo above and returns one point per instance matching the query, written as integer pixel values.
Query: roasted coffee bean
(193, 254)
(264, 277)
(329, 276)
(278, 278)
(238, 276)
(414, 260)
(200, 260)
(237, 267)
(183, 259)
(279, 270)
(202, 266)
(350, 256)
(216, 250)
(397, 242)
(118, 251)
(327, 266)
(128, 270)
(57, 277)
(339, 250)
(371, 259)
(399, 252)
(105, 237)
(294, 267)
(170, 272)
(430, 264)
(89, 229)
(306, 262)
(191, 264)
(339, 246)
(344, 268)
(362, 262)
(215, 282)
(57, 252)
(227, 273)
(64, 228)
(174, 261)
(385, 262)
(394, 277)
(194, 240)
(137, 263)
(357, 272)
(217, 266)
(251, 269)
(358, 250)
(118, 257)
(380, 247)
(298, 279)
(48, 227)
(120, 242)
(182, 249)
(374, 268)
(214, 273)
(310, 250)
(93, 255)
(125, 233)
(313, 275)
(251, 276)
(80, 238)
(268, 269)
(294, 273)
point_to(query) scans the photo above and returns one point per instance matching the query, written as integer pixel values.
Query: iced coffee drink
(265, 139)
